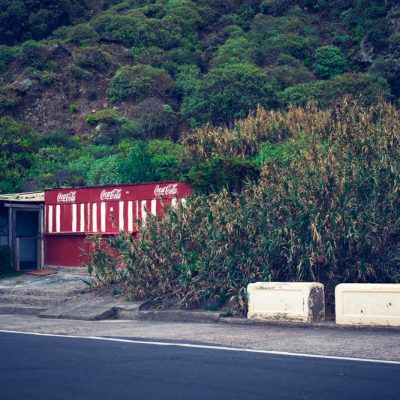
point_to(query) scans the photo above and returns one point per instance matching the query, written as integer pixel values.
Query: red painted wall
(64, 250)
(71, 214)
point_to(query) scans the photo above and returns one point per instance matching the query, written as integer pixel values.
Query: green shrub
(139, 82)
(234, 51)
(93, 57)
(104, 171)
(329, 62)
(131, 128)
(112, 127)
(7, 55)
(18, 145)
(79, 73)
(73, 108)
(187, 80)
(8, 97)
(389, 69)
(47, 77)
(227, 93)
(134, 163)
(91, 120)
(285, 76)
(156, 118)
(288, 43)
(83, 35)
(166, 158)
(33, 54)
(370, 88)
(36, 19)
(275, 7)
(222, 172)
(129, 30)
(154, 56)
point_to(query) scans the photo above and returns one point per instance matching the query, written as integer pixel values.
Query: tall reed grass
(327, 213)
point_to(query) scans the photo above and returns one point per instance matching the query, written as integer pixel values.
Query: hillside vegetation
(96, 92)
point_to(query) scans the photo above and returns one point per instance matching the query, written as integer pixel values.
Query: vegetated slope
(90, 77)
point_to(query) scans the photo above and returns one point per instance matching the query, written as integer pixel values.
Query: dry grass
(329, 213)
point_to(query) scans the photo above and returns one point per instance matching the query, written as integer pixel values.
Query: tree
(234, 51)
(18, 145)
(227, 93)
(329, 62)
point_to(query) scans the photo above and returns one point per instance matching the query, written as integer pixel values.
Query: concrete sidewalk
(297, 339)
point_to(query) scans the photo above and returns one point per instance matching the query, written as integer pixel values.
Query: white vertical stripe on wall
(50, 219)
(58, 217)
(173, 203)
(94, 216)
(130, 216)
(74, 217)
(144, 212)
(121, 215)
(82, 218)
(154, 206)
(88, 216)
(137, 210)
(103, 216)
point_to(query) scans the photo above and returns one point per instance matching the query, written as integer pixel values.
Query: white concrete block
(367, 304)
(286, 301)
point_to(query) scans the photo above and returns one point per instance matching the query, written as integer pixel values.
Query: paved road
(360, 343)
(55, 368)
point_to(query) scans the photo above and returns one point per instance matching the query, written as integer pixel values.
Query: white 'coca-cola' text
(114, 194)
(66, 197)
(169, 190)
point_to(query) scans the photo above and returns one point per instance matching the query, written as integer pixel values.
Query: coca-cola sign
(169, 190)
(66, 197)
(114, 194)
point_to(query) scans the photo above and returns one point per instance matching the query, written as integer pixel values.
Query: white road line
(207, 347)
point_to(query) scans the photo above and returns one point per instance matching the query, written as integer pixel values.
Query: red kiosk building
(67, 216)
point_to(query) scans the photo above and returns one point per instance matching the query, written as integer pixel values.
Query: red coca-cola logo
(114, 194)
(66, 197)
(169, 190)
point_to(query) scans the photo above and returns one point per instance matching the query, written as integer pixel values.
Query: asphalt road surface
(57, 368)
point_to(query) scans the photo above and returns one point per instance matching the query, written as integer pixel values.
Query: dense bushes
(226, 93)
(139, 82)
(329, 62)
(325, 209)
(18, 145)
(21, 20)
(207, 61)
(368, 87)
(93, 57)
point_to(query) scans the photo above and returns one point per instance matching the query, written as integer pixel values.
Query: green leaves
(18, 145)
(139, 82)
(227, 93)
(329, 62)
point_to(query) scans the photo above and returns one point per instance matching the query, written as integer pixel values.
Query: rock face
(286, 301)
(23, 86)
(58, 52)
(365, 54)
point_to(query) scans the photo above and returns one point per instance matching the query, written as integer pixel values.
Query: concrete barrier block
(367, 304)
(286, 301)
